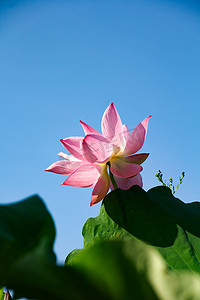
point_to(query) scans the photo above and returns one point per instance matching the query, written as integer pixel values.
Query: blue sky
(62, 61)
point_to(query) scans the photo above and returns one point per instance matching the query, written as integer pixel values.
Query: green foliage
(170, 185)
(102, 227)
(155, 217)
(129, 269)
(28, 264)
(2, 294)
(116, 262)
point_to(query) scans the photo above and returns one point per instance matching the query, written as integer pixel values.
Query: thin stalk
(112, 177)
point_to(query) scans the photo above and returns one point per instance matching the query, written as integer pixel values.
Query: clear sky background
(61, 61)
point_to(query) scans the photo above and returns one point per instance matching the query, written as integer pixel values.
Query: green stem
(112, 177)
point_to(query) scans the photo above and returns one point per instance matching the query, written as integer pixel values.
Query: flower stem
(112, 177)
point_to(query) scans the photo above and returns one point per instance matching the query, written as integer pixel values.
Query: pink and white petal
(85, 176)
(88, 152)
(111, 125)
(126, 135)
(127, 183)
(122, 140)
(74, 146)
(64, 167)
(124, 169)
(116, 149)
(118, 143)
(96, 148)
(137, 180)
(68, 156)
(88, 129)
(136, 138)
(101, 188)
(136, 158)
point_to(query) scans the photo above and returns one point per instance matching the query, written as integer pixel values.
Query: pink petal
(96, 148)
(111, 125)
(7, 296)
(124, 169)
(136, 158)
(73, 145)
(101, 188)
(127, 183)
(126, 135)
(85, 176)
(64, 167)
(88, 129)
(137, 137)
(68, 156)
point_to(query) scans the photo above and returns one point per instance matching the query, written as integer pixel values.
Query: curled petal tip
(112, 105)
(88, 129)
(91, 203)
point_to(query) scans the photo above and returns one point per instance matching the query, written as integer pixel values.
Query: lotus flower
(106, 160)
